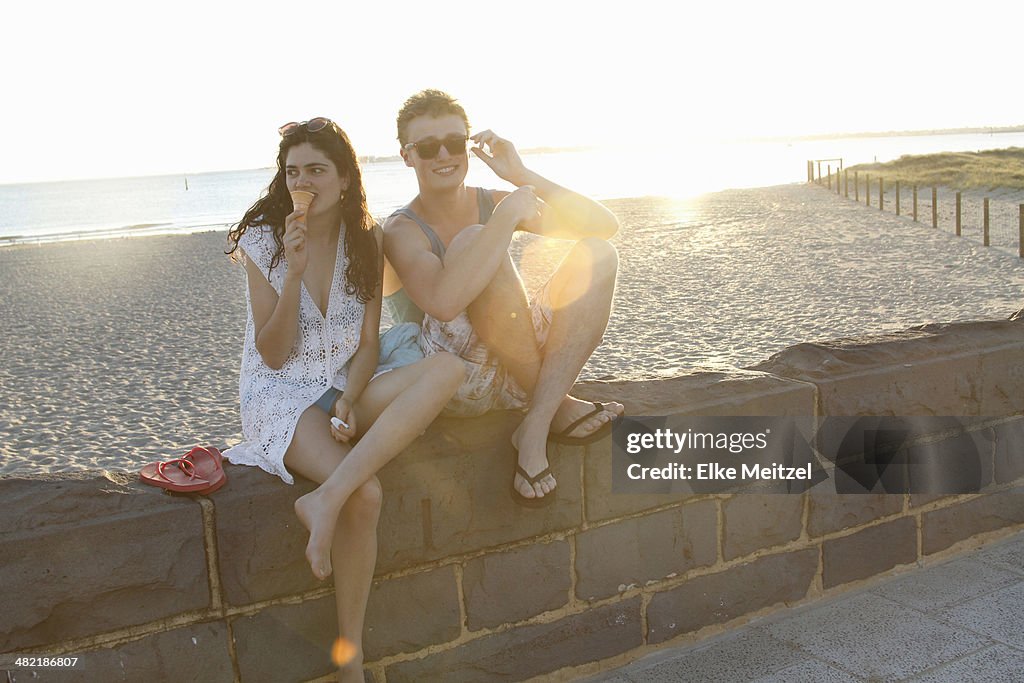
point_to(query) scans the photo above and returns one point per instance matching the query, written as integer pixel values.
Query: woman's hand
(295, 242)
(344, 411)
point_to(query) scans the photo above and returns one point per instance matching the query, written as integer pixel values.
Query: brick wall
(148, 586)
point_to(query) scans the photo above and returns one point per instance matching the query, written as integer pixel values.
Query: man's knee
(599, 255)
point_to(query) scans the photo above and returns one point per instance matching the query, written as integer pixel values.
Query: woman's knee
(447, 369)
(366, 500)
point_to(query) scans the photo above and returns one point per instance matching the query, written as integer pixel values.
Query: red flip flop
(174, 475)
(207, 462)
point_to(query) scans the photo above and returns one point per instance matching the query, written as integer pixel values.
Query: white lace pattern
(273, 400)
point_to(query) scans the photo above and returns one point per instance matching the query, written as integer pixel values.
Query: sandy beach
(119, 352)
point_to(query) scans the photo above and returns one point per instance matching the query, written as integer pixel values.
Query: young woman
(311, 353)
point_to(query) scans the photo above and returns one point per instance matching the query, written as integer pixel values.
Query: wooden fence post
(958, 214)
(830, 176)
(819, 173)
(846, 183)
(935, 207)
(867, 189)
(986, 221)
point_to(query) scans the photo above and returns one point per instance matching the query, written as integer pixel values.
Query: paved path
(961, 621)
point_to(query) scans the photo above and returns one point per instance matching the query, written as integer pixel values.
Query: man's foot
(580, 422)
(319, 518)
(530, 442)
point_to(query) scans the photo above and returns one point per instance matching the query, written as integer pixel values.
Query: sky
(110, 89)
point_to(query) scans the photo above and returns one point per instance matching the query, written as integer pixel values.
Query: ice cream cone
(302, 199)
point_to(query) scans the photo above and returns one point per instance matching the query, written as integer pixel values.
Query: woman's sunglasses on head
(313, 126)
(429, 148)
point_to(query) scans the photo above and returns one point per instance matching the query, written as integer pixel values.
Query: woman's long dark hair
(361, 276)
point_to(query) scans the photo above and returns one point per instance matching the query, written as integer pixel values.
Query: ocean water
(86, 209)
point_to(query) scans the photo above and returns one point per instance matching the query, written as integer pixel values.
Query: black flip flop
(519, 498)
(597, 435)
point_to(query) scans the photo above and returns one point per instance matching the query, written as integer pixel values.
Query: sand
(119, 352)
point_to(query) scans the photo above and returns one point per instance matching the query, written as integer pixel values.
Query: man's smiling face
(445, 170)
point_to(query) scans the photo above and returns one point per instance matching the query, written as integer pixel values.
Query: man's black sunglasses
(429, 148)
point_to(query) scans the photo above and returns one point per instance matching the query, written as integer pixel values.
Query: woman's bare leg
(315, 455)
(398, 405)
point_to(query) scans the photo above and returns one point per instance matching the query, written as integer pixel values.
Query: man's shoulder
(402, 234)
(397, 222)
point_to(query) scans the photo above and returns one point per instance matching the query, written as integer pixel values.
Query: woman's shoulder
(257, 235)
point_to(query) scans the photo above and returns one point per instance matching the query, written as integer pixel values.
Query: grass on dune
(988, 170)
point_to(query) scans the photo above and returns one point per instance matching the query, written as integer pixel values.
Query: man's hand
(518, 207)
(503, 158)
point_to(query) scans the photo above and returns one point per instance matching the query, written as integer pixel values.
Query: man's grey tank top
(398, 304)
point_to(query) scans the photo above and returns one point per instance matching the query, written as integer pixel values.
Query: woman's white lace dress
(273, 400)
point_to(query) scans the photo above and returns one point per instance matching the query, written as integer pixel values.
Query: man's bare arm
(566, 214)
(444, 289)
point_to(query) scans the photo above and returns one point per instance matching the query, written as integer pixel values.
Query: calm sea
(85, 209)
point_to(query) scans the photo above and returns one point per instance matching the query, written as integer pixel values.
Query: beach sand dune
(119, 352)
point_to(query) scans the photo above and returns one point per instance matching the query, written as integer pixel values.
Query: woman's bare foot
(319, 517)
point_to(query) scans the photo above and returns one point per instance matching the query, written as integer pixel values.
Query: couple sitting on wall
(323, 396)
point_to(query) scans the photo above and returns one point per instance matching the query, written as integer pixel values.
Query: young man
(449, 267)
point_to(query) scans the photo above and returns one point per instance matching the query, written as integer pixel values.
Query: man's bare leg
(581, 292)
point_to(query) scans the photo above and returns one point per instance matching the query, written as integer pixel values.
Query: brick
(261, 545)
(515, 585)
(198, 652)
(633, 552)
(409, 613)
(451, 493)
(528, 651)
(946, 526)
(756, 521)
(71, 546)
(1003, 379)
(286, 642)
(736, 392)
(942, 369)
(723, 596)
(869, 552)
(1009, 451)
(830, 511)
(921, 499)
(937, 455)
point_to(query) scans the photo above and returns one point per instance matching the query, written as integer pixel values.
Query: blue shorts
(326, 402)
(398, 347)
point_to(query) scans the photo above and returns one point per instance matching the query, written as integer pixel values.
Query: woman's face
(309, 169)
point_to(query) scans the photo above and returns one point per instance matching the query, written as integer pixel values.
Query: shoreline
(123, 351)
